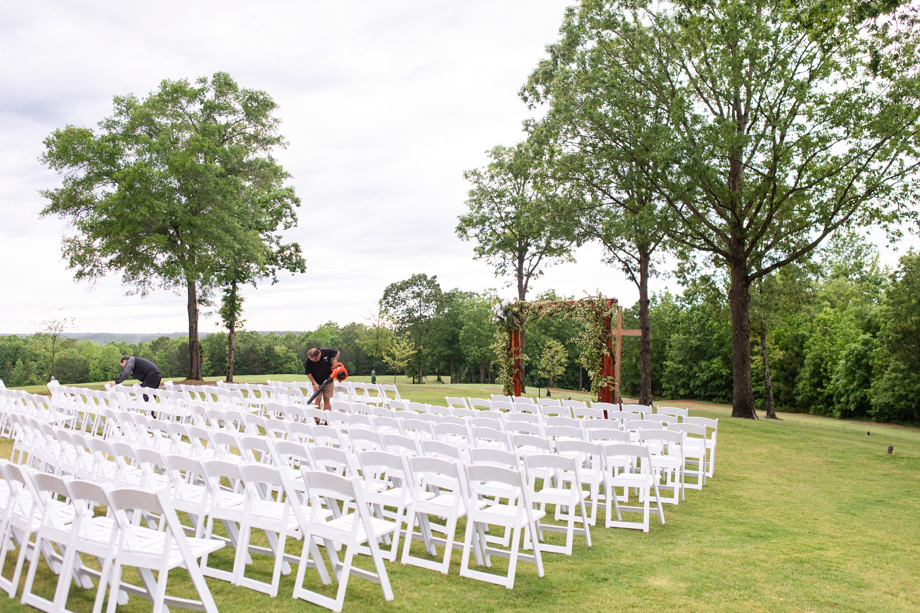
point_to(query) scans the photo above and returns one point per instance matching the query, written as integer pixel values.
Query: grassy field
(804, 514)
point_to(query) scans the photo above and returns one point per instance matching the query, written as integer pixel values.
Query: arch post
(610, 366)
(517, 375)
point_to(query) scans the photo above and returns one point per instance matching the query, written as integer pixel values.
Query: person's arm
(335, 359)
(129, 368)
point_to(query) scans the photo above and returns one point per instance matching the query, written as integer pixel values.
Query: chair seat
(502, 514)
(148, 544)
(339, 529)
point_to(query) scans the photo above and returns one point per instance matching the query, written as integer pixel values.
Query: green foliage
(175, 190)
(519, 220)
(413, 304)
(553, 358)
(398, 353)
(763, 126)
(895, 392)
(699, 361)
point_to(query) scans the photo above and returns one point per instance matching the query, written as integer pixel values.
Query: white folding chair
(386, 486)
(350, 528)
(590, 460)
(711, 438)
(439, 490)
(629, 465)
(516, 513)
(562, 470)
(667, 452)
(266, 508)
(694, 453)
(156, 548)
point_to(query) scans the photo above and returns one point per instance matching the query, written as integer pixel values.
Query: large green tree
(164, 191)
(514, 215)
(259, 254)
(412, 304)
(781, 122)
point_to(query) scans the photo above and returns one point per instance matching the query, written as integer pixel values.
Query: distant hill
(104, 338)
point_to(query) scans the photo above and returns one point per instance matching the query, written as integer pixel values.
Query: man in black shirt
(143, 370)
(318, 368)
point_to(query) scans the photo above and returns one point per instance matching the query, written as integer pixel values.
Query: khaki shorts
(327, 391)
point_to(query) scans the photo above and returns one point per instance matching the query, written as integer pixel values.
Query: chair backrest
(635, 425)
(494, 457)
(601, 435)
(638, 408)
(554, 410)
(691, 430)
(501, 405)
(709, 424)
(529, 443)
(575, 404)
(663, 418)
(365, 440)
(676, 412)
(331, 459)
(442, 449)
(623, 455)
(442, 431)
(417, 427)
(401, 445)
(559, 420)
(549, 402)
(582, 448)
(563, 432)
(456, 402)
(486, 435)
(605, 406)
(479, 403)
(523, 427)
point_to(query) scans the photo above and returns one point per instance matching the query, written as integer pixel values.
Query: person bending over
(318, 368)
(143, 370)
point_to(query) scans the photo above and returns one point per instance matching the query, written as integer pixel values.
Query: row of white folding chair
(423, 429)
(60, 511)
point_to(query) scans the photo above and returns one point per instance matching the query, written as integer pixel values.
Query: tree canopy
(775, 124)
(514, 216)
(173, 190)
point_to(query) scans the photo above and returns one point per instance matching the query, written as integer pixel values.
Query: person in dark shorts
(318, 368)
(143, 370)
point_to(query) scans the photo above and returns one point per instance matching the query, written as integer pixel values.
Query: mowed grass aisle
(807, 514)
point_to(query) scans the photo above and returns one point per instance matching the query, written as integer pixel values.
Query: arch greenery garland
(592, 341)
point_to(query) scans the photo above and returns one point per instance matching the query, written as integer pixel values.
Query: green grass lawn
(805, 514)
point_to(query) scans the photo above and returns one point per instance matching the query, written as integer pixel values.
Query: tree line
(734, 136)
(837, 336)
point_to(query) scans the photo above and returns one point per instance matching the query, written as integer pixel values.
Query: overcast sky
(383, 104)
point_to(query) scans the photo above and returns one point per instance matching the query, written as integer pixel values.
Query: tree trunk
(418, 354)
(767, 381)
(581, 386)
(491, 379)
(523, 378)
(231, 349)
(522, 295)
(482, 373)
(739, 300)
(645, 340)
(194, 350)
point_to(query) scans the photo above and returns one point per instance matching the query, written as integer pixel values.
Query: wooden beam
(619, 333)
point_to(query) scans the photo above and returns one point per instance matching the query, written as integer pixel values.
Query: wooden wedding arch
(609, 368)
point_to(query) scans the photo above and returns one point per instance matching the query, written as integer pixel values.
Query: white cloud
(384, 105)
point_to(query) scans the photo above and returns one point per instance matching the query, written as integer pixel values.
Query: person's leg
(327, 396)
(152, 382)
